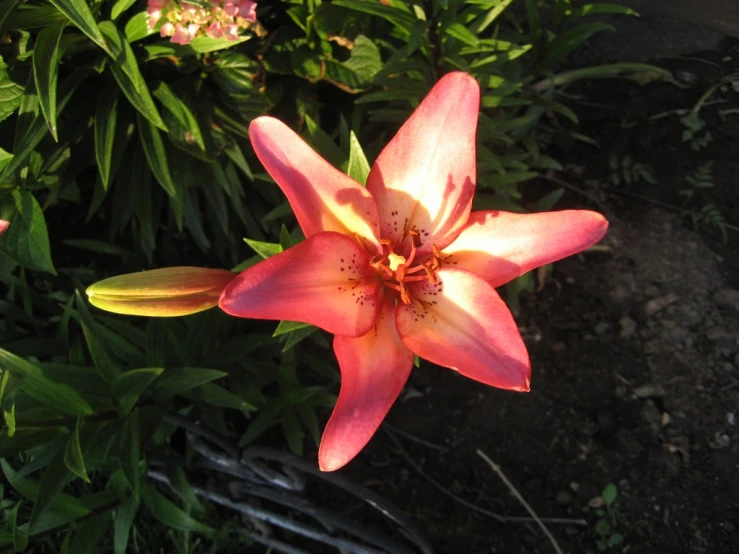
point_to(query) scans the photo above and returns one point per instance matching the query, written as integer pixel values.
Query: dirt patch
(636, 367)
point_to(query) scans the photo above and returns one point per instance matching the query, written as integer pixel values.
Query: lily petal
(374, 369)
(461, 323)
(322, 197)
(425, 176)
(500, 246)
(4, 226)
(325, 281)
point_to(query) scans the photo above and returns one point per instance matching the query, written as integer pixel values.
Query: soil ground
(635, 357)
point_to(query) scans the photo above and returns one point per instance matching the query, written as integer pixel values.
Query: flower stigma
(397, 271)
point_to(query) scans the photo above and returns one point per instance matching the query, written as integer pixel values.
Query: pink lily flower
(4, 226)
(401, 267)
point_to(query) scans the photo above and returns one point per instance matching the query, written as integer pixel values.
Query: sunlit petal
(425, 176)
(322, 197)
(374, 369)
(325, 281)
(461, 323)
(500, 246)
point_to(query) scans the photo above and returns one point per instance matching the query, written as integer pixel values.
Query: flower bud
(168, 292)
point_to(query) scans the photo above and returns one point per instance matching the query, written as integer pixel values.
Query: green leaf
(73, 458)
(489, 18)
(129, 385)
(180, 379)
(168, 513)
(138, 27)
(33, 128)
(203, 44)
(106, 118)
(126, 71)
(129, 452)
(122, 525)
(118, 8)
(182, 114)
(264, 249)
(609, 494)
(358, 71)
(156, 155)
(567, 41)
(23, 441)
(180, 485)
(215, 395)
(358, 167)
(7, 7)
(288, 327)
(79, 13)
(55, 477)
(27, 239)
(460, 32)
(5, 158)
(99, 353)
(57, 396)
(398, 17)
(46, 71)
(594, 9)
(89, 534)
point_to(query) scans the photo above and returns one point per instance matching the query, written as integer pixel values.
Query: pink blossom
(167, 30)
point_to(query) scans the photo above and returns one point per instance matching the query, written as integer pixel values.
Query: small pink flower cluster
(185, 21)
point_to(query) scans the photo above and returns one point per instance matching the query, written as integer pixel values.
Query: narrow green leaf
(358, 167)
(106, 118)
(179, 483)
(129, 452)
(129, 385)
(127, 74)
(594, 9)
(27, 240)
(99, 353)
(23, 441)
(398, 17)
(211, 394)
(460, 32)
(56, 475)
(168, 513)
(181, 112)
(7, 7)
(57, 396)
(73, 458)
(46, 71)
(79, 13)
(570, 39)
(123, 523)
(264, 249)
(156, 155)
(489, 18)
(180, 379)
(288, 327)
(89, 534)
(31, 127)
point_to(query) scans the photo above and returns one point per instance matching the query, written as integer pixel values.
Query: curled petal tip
(169, 292)
(4, 226)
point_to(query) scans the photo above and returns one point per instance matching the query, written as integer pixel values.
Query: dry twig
(483, 511)
(496, 468)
